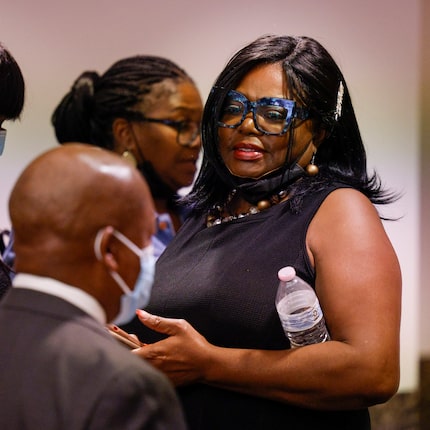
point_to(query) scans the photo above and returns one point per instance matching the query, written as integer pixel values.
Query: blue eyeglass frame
(290, 105)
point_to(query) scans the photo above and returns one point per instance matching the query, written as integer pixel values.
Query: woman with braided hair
(147, 109)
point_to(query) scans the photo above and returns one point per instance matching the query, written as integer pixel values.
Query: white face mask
(141, 293)
(2, 139)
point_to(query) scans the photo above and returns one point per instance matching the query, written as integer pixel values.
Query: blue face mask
(2, 139)
(141, 293)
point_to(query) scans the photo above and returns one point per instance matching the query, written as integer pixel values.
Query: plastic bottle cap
(286, 273)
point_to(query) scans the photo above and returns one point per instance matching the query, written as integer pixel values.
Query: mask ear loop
(97, 251)
(311, 171)
(289, 152)
(124, 287)
(138, 148)
(127, 242)
(98, 244)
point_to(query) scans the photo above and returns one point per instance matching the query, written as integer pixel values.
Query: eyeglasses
(271, 115)
(187, 130)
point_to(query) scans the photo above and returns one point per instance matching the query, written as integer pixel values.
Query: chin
(247, 174)
(186, 182)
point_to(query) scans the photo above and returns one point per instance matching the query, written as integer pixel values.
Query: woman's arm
(358, 282)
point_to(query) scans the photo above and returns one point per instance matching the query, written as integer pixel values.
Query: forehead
(163, 89)
(266, 80)
(172, 94)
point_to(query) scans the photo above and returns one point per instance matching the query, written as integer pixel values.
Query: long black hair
(12, 86)
(316, 82)
(86, 113)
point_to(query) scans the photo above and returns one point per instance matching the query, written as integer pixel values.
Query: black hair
(87, 111)
(12, 86)
(314, 80)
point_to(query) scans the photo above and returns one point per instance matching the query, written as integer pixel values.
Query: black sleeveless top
(223, 280)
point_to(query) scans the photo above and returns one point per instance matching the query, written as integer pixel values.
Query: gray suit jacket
(60, 369)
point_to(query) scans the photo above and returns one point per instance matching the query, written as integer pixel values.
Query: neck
(166, 206)
(159, 189)
(236, 204)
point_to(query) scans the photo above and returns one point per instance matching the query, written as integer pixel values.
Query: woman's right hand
(182, 356)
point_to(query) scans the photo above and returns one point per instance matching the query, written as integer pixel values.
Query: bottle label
(297, 313)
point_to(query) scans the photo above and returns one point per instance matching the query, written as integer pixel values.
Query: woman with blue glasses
(283, 183)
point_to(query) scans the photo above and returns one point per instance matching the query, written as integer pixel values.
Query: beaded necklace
(215, 214)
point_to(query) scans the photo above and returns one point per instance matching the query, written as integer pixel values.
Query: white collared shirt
(73, 295)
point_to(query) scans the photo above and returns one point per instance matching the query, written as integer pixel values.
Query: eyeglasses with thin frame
(271, 115)
(187, 130)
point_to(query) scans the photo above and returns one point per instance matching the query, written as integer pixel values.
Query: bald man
(83, 220)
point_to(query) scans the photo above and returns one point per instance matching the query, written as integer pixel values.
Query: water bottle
(299, 310)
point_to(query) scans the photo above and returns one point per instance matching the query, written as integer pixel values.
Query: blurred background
(382, 47)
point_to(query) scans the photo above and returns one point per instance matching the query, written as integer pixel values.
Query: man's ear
(103, 245)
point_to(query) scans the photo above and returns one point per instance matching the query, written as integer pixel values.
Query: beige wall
(376, 43)
(425, 182)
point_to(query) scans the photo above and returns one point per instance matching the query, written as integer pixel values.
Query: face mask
(140, 295)
(2, 139)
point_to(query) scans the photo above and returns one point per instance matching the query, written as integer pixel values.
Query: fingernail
(141, 313)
